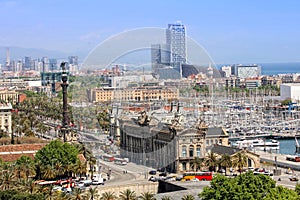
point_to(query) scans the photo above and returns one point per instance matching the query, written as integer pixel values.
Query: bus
(201, 176)
(108, 158)
(120, 161)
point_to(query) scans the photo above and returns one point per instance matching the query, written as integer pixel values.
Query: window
(184, 166)
(198, 151)
(191, 151)
(183, 151)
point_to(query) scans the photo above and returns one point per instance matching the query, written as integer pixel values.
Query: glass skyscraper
(176, 43)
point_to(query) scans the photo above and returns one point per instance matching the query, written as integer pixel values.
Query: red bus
(201, 176)
(108, 158)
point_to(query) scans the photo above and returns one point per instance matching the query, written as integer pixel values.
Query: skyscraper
(167, 58)
(176, 43)
(7, 64)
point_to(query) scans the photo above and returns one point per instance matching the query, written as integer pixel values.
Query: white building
(290, 91)
(226, 70)
(5, 117)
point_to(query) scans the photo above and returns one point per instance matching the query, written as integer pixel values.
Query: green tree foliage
(245, 186)
(127, 195)
(16, 195)
(286, 102)
(56, 152)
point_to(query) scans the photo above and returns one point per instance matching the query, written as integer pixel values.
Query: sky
(231, 31)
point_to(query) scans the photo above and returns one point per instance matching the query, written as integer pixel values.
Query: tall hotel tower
(176, 43)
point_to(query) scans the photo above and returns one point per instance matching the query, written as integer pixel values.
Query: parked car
(152, 172)
(163, 174)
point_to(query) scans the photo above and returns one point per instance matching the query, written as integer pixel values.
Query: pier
(277, 160)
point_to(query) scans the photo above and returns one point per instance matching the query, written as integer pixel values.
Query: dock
(278, 160)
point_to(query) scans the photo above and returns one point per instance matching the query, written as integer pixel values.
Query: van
(98, 180)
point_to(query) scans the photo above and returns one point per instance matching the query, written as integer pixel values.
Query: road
(135, 173)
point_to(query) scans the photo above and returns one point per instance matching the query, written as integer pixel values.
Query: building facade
(133, 94)
(169, 145)
(5, 117)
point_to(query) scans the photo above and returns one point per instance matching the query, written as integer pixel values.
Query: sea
(287, 146)
(274, 68)
(279, 68)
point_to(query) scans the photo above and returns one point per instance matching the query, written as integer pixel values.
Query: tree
(188, 197)
(80, 168)
(211, 161)
(245, 186)
(197, 163)
(225, 161)
(127, 195)
(239, 160)
(56, 152)
(108, 196)
(147, 196)
(93, 193)
(7, 181)
(166, 198)
(26, 165)
(78, 194)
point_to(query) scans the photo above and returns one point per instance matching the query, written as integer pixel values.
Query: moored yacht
(257, 144)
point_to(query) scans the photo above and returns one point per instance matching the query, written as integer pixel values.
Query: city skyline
(231, 31)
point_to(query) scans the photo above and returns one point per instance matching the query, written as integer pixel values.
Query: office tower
(53, 64)
(176, 43)
(73, 63)
(45, 66)
(28, 63)
(7, 63)
(73, 60)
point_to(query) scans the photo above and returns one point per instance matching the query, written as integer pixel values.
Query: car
(294, 178)
(163, 174)
(153, 179)
(152, 172)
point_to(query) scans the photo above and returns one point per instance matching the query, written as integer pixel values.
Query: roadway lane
(135, 173)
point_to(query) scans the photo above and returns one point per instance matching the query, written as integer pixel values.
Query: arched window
(183, 152)
(184, 166)
(191, 151)
(198, 151)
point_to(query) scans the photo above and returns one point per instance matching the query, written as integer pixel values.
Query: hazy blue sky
(232, 31)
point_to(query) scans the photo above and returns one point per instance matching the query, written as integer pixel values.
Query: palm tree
(166, 198)
(188, 197)
(93, 193)
(49, 192)
(147, 196)
(92, 162)
(29, 186)
(239, 160)
(48, 172)
(225, 161)
(127, 195)
(211, 161)
(78, 194)
(197, 163)
(80, 168)
(108, 196)
(7, 181)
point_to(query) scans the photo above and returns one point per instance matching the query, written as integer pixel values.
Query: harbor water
(287, 146)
